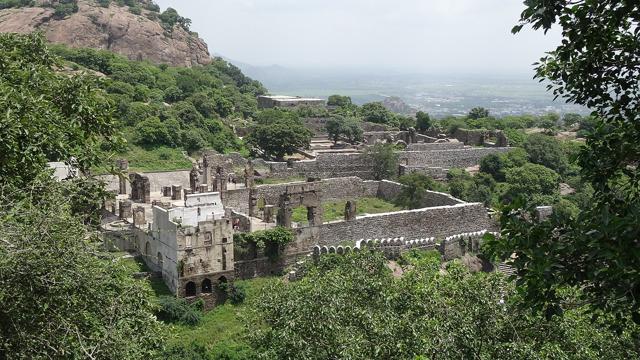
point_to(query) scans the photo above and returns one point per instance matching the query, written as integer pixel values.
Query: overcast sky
(470, 36)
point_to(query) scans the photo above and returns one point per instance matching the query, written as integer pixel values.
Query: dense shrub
(174, 310)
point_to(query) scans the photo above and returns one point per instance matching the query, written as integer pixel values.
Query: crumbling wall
(435, 146)
(156, 180)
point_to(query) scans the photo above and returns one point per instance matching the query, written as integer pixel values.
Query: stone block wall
(454, 158)
(156, 179)
(435, 146)
(441, 221)
(437, 173)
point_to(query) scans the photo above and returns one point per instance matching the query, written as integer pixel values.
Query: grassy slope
(221, 330)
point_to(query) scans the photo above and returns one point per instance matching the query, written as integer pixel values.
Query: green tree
(278, 133)
(383, 159)
(478, 113)
(423, 121)
(47, 116)
(497, 164)
(348, 129)
(598, 252)
(348, 307)
(58, 299)
(339, 100)
(546, 150)
(534, 182)
(153, 132)
(414, 190)
(375, 112)
(478, 188)
(571, 119)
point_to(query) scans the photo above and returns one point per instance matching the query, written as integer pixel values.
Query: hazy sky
(470, 36)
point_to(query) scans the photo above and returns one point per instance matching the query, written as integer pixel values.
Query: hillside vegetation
(163, 106)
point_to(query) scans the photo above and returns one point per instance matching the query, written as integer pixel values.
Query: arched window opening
(190, 289)
(206, 286)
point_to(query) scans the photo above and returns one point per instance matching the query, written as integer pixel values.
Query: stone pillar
(284, 216)
(194, 179)
(176, 190)
(146, 190)
(268, 213)
(203, 188)
(186, 192)
(123, 166)
(139, 216)
(253, 202)
(350, 211)
(125, 209)
(249, 175)
(206, 170)
(314, 215)
(214, 184)
(412, 136)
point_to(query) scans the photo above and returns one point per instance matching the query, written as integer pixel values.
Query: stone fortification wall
(437, 173)
(451, 247)
(435, 146)
(335, 189)
(389, 191)
(455, 158)
(438, 222)
(156, 179)
(325, 166)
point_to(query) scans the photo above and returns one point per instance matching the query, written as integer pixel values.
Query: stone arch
(160, 260)
(222, 279)
(190, 289)
(206, 287)
(147, 249)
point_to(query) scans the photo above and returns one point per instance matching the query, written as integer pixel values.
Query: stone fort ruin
(183, 222)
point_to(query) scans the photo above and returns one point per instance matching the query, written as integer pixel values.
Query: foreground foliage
(353, 308)
(597, 66)
(58, 299)
(47, 116)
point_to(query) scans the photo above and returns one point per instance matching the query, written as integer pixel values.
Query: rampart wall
(441, 221)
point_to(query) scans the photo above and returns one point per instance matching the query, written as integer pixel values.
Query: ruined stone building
(183, 222)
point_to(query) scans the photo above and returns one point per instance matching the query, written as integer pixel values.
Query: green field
(335, 210)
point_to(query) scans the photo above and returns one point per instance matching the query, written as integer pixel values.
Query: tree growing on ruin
(346, 128)
(423, 121)
(383, 159)
(278, 133)
(414, 190)
(596, 65)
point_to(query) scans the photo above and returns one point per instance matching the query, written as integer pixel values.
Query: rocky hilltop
(138, 32)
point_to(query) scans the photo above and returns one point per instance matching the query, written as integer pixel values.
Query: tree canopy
(278, 133)
(47, 116)
(352, 307)
(596, 66)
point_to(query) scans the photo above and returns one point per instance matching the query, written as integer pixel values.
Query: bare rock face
(115, 28)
